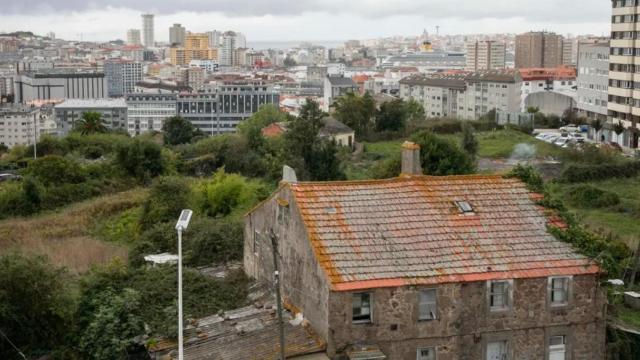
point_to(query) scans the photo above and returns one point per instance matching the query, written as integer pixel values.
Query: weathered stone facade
(464, 323)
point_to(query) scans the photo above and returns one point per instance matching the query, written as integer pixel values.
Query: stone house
(426, 268)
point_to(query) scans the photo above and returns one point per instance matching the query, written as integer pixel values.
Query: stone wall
(465, 324)
(304, 283)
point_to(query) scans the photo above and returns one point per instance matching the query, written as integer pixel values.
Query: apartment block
(624, 78)
(539, 50)
(196, 47)
(465, 96)
(24, 125)
(147, 112)
(122, 76)
(593, 78)
(485, 55)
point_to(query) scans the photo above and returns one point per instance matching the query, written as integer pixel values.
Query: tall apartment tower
(177, 34)
(133, 37)
(485, 55)
(227, 48)
(625, 52)
(214, 38)
(539, 50)
(147, 30)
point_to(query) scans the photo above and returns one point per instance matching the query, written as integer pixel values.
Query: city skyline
(284, 21)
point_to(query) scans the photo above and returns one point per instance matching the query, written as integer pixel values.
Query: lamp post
(182, 224)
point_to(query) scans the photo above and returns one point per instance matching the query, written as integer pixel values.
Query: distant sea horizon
(284, 45)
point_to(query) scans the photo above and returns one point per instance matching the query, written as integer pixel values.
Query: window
(426, 354)
(498, 350)
(427, 305)
(283, 212)
(557, 347)
(464, 207)
(362, 311)
(256, 241)
(559, 290)
(500, 295)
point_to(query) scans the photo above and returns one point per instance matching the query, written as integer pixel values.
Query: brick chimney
(411, 159)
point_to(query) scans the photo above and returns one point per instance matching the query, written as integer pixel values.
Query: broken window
(499, 295)
(498, 350)
(426, 354)
(362, 311)
(557, 347)
(559, 290)
(427, 305)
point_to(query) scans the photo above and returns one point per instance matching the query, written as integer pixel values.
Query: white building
(559, 80)
(133, 37)
(24, 125)
(336, 86)
(465, 96)
(215, 38)
(593, 79)
(147, 112)
(113, 111)
(208, 65)
(122, 76)
(227, 49)
(58, 84)
(148, 36)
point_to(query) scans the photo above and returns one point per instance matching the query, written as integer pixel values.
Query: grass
(501, 144)
(65, 236)
(621, 221)
(360, 166)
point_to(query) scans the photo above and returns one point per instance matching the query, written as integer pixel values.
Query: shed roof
(409, 231)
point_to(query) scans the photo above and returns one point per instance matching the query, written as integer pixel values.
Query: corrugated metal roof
(408, 230)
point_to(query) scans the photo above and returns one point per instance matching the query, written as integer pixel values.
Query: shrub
(588, 196)
(226, 193)
(576, 173)
(214, 241)
(55, 170)
(141, 159)
(168, 197)
(529, 176)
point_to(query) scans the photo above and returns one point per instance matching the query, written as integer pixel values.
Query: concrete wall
(465, 324)
(304, 283)
(550, 102)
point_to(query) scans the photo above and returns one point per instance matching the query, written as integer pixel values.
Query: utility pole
(276, 273)
(35, 136)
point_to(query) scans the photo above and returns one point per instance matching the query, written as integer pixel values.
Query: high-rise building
(227, 48)
(539, 50)
(624, 54)
(122, 76)
(214, 38)
(593, 78)
(567, 52)
(196, 47)
(485, 55)
(133, 37)
(177, 34)
(148, 39)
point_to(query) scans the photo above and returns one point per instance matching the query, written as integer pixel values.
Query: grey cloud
(559, 11)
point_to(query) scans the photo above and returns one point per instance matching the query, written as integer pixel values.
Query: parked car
(562, 141)
(552, 139)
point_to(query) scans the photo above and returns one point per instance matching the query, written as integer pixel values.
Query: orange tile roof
(408, 231)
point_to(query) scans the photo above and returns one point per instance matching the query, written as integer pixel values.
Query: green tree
(323, 163)
(91, 123)
(303, 130)
(442, 157)
(178, 131)
(597, 125)
(141, 159)
(36, 305)
(252, 127)
(226, 193)
(392, 116)
(32, 194)
(415, 114)
(3, 148)
(289, 61)
(618, 128)
(355, 111)
(469, 143)
(114, 325)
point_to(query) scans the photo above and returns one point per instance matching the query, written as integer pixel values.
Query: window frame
(435, 304)
(497, 339)
(508, 297)
(568, 292)
(353, 315)
(432, 348)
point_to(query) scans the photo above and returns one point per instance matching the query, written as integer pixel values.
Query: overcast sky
(273, 20)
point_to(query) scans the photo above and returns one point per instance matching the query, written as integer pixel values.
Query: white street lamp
(182, 224)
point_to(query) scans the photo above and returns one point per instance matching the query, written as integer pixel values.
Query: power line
(11, 343)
